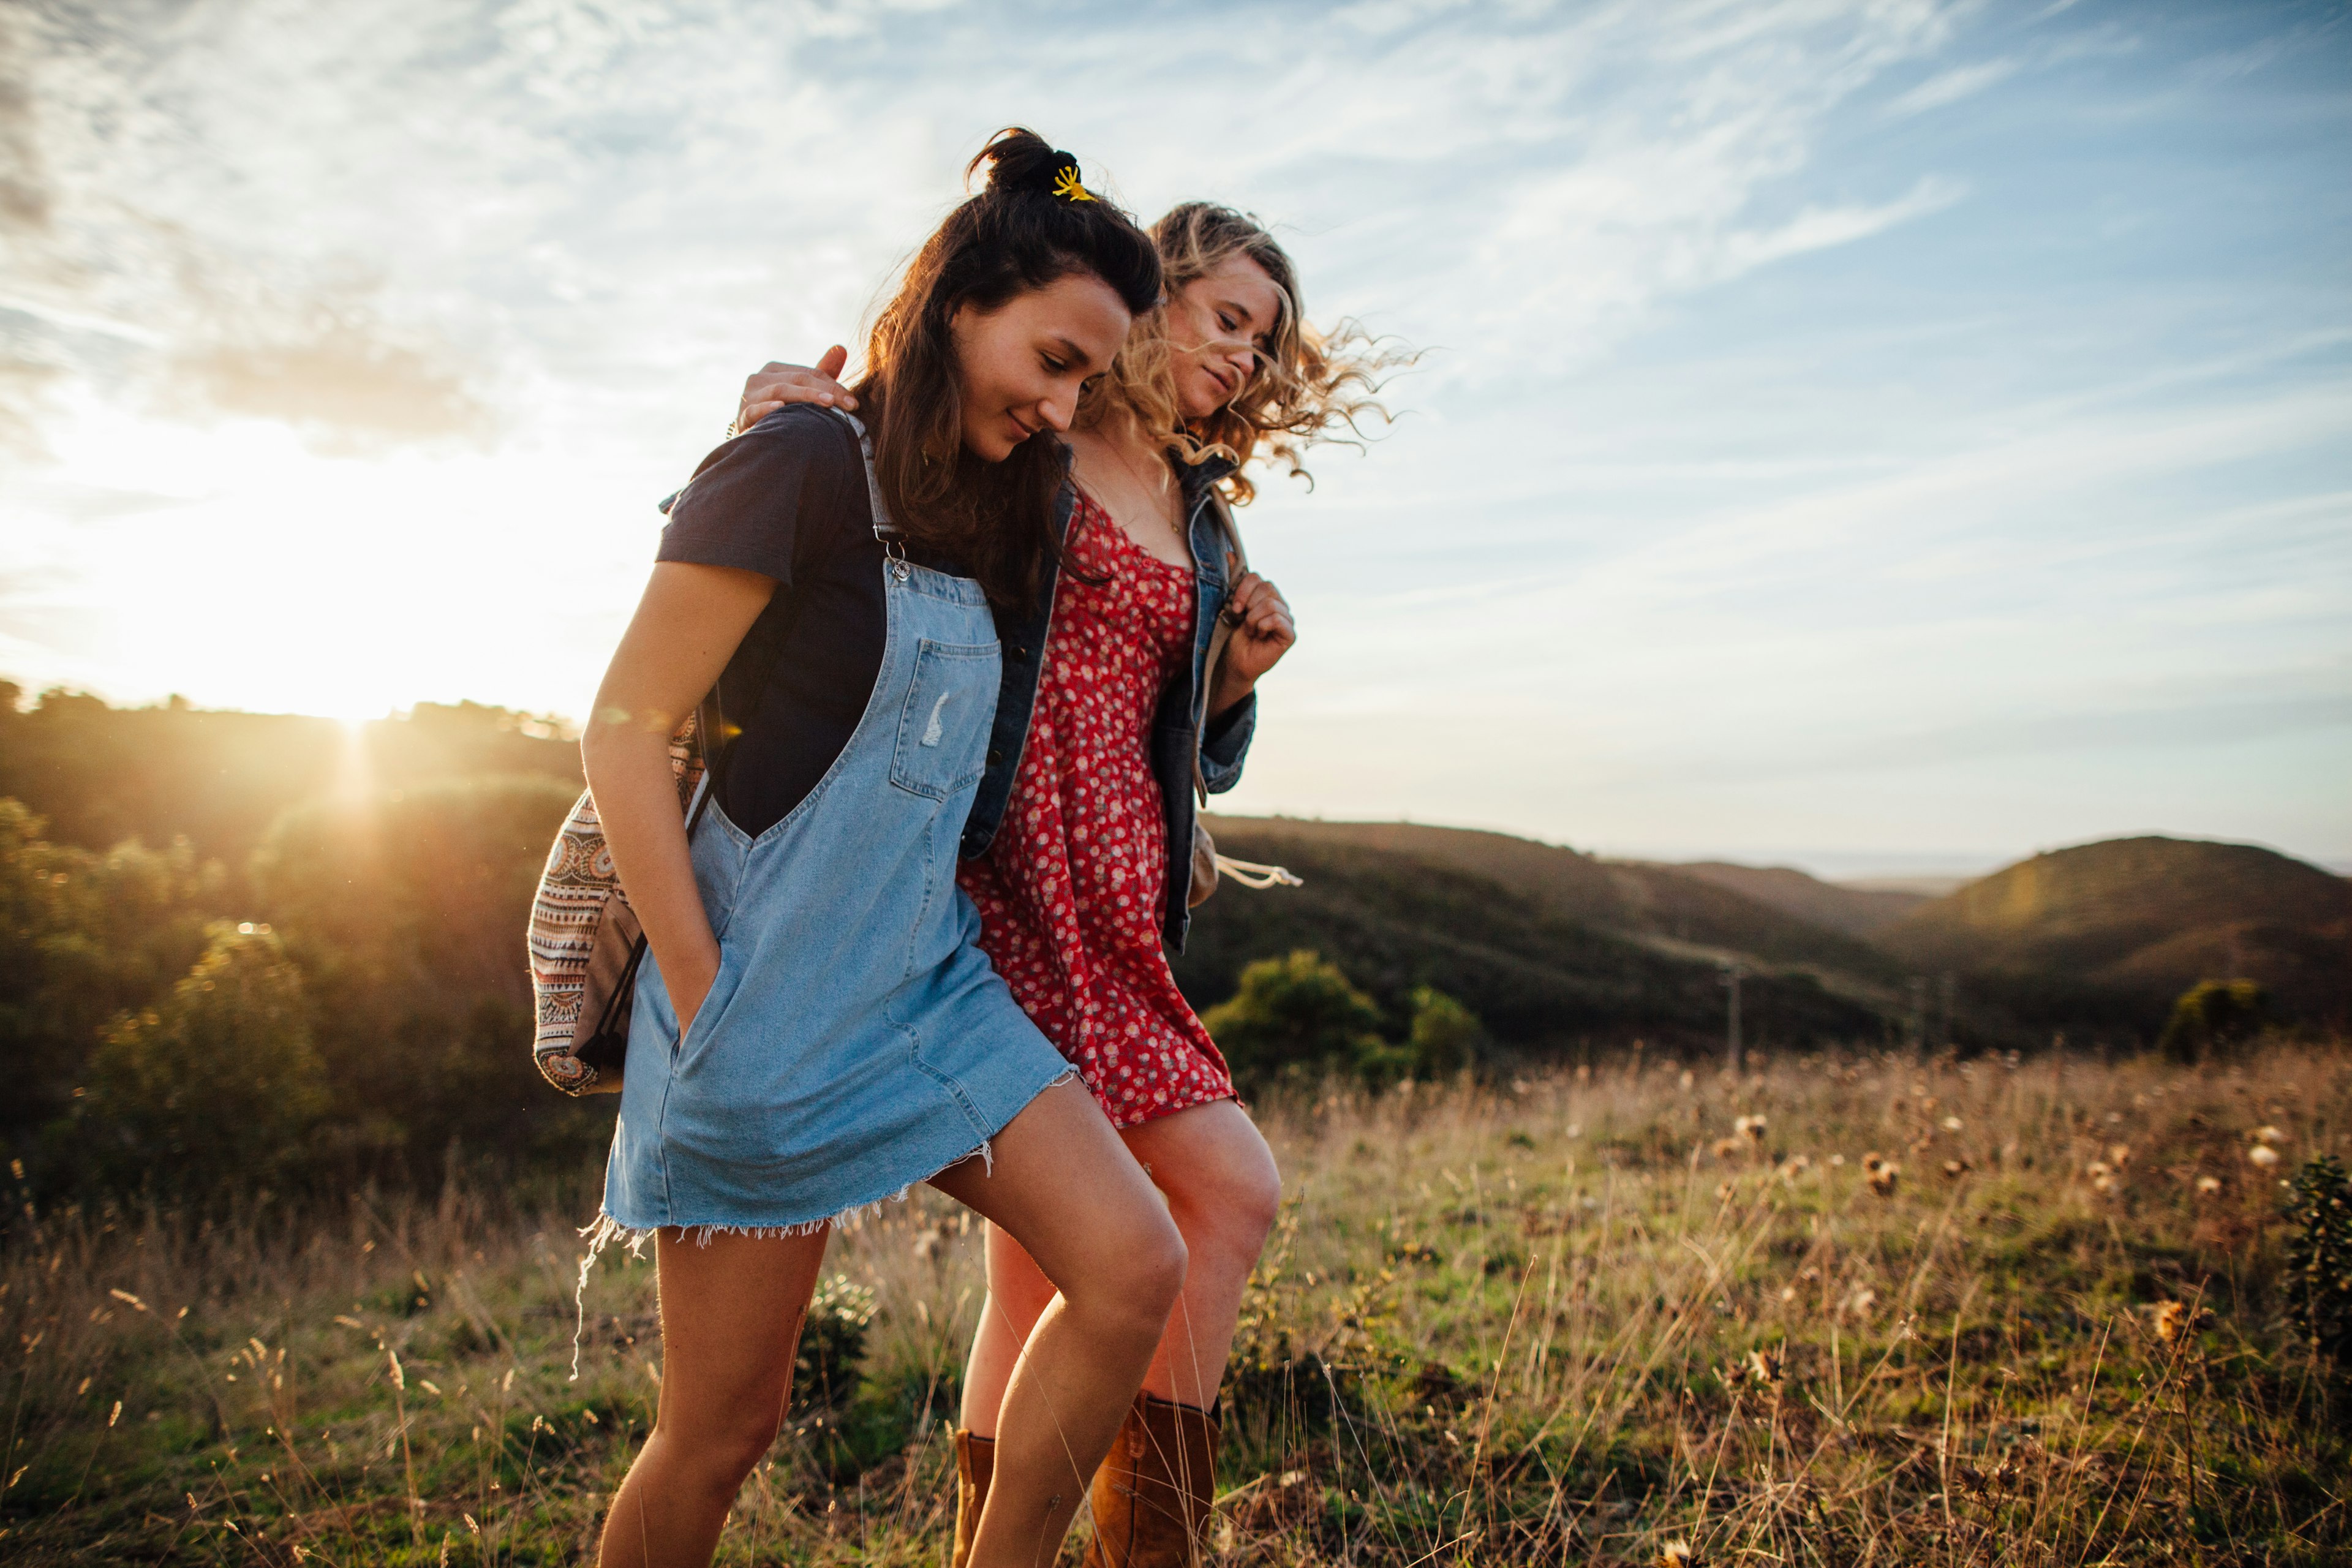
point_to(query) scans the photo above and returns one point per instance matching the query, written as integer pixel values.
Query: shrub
(219, 1079)
(1294, 1015)
(85, 937)
(832, 1341)
(2213, 1014)
(2318, 1267)
(1445, 1037)
(405, 911)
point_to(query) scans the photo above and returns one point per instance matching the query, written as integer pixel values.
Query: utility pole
(1733, 1055)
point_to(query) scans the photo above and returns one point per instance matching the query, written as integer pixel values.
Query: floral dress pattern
(1070, 895)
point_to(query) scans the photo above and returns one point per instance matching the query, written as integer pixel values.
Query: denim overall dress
(855, 1040)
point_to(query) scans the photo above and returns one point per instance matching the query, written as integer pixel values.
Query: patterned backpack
(585, 942)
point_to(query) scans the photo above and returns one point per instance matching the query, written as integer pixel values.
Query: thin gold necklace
(1167, 518)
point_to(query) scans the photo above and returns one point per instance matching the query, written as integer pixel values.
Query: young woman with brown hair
(815, 1027)
(1079, 845)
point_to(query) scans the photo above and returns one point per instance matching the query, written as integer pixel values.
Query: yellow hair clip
(1066, 186)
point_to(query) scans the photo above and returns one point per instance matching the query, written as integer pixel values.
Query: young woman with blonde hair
(1080, 846)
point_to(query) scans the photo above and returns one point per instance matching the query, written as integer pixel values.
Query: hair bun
(1022, 161)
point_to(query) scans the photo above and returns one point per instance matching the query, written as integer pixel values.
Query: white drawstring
(1249, 874)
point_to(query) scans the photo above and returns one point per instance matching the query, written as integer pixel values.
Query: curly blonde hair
(1308, 385)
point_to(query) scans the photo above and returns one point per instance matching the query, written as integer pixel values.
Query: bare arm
(686, 629)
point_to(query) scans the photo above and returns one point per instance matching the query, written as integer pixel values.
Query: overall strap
(884, 529)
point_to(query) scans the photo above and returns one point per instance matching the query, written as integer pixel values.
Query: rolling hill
(1658, 906)
(1392, 910)
(1856, 911)
(2136, 920)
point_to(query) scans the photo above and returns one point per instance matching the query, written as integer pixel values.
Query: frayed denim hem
(604, 1230)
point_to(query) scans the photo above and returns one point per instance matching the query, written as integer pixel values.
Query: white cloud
(1950, 87)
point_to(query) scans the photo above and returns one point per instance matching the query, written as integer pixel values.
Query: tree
(405, 911)
(1297, 1014)
(219, 1079)
(84, 937)
(2214, 1015)
(1445, 1037)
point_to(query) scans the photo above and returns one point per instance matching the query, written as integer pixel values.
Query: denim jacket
(1023, 630)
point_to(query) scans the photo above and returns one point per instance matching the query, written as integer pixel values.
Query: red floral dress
(1071, 893)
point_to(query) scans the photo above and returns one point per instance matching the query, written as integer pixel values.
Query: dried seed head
(2269, 1135)
(2175, 1320)
(2208, 1185)
(2263, 1156)
(1676, 1554)
(2119, 1154)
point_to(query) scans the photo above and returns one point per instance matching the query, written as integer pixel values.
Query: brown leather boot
(975, 1467)
(1152, 1496)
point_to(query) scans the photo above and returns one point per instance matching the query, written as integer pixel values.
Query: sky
(1867, 434)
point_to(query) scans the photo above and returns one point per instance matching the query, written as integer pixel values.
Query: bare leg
(1066, 1187)
(730, 1316)
(1018, 1295)
(1223, 1191)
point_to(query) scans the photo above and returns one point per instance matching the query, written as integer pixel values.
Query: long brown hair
(1310, 383)
(1023, 232)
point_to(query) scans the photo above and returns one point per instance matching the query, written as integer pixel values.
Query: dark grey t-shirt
(787, 498)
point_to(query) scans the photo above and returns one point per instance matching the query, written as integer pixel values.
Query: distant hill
(1921, 885)
(1398, 906)
(1854, 909)
(1657, 906)
(99, 775)
(2143, 919)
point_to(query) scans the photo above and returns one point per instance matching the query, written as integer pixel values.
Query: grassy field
(1951, 1313)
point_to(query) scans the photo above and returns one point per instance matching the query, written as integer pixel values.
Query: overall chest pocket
(943, 726)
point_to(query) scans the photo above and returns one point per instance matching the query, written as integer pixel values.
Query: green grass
(1559, 1318)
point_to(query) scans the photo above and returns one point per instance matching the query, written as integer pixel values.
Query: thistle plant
(2317, 1268)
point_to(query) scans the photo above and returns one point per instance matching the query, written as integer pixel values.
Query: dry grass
(1583, 1317)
